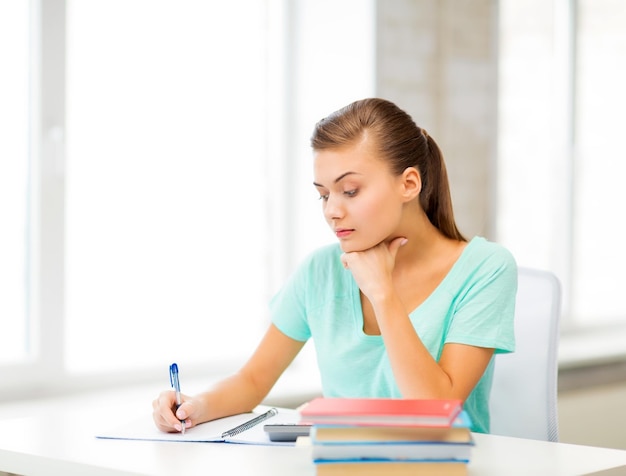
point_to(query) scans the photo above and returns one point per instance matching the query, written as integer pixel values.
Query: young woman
(404, 306)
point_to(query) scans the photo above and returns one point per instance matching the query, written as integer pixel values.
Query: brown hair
(401, 143)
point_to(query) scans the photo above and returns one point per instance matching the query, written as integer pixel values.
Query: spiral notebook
(245, 428)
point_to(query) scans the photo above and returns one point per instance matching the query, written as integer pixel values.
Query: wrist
(389, 309)
(203, 407)
(382, 299)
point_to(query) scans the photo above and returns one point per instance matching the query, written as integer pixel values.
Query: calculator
(286, 431)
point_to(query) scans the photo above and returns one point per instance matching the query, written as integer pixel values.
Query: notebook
(216, 431)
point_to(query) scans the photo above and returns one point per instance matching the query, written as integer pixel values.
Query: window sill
(592, 347)
(592, 357)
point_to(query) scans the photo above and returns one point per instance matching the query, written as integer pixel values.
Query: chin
(350, 247)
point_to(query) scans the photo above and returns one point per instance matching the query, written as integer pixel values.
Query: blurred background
(156, 178)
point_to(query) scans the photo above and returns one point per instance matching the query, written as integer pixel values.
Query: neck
(425, 242)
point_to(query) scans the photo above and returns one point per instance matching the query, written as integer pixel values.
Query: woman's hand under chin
(372, 268)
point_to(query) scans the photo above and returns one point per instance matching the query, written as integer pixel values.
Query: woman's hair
(400, 142)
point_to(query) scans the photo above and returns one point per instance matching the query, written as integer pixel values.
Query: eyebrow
(338, 179)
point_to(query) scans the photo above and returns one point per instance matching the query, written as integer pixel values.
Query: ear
(411, 182)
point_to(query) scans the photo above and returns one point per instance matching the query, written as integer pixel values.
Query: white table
(57, 437)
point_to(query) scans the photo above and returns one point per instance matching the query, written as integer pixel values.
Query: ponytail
(435, 197)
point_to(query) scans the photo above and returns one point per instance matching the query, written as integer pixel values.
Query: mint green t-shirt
(473, 305)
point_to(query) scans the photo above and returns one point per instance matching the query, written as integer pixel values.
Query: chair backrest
(523, 401)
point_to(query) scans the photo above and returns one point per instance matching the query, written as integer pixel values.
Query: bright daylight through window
(166, 216)
(14, 180)
(560, 163)
(173, 207)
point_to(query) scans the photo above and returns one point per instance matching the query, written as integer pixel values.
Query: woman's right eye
(324, 197)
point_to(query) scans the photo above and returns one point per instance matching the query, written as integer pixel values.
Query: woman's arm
(238, 393)
(417, 373)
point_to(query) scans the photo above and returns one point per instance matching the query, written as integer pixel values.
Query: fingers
(163, 412)
(392, 247)
(395, 245)
(344, 260)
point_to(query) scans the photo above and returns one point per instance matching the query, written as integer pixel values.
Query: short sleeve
(288, 306)
(484, 314)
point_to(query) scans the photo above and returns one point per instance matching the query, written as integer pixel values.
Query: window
(599, 193)
(168, 169)
(562, 72)
(166, 210)
(14, 181)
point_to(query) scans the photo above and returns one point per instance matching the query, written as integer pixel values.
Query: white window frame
(43, 368)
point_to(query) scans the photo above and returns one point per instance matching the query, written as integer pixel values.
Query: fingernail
(404, 242)
(178, 427)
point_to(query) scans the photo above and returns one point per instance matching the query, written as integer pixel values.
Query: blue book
(460, 452)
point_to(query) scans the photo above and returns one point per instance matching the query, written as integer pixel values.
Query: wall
(438, 60)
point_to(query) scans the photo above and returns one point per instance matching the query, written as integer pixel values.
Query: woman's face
(361, 199)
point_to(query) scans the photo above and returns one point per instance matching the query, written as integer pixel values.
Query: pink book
(381, 411)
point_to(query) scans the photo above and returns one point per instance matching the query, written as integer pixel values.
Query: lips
(343, 232)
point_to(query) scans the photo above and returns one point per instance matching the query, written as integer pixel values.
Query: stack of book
(374, 436)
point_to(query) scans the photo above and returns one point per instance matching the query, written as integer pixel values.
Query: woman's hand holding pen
(167, 418)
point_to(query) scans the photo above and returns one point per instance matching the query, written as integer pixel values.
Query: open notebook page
(145, 429)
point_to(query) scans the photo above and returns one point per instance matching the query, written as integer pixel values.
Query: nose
(333, 209)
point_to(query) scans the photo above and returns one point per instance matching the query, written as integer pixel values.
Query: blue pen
(176, 385)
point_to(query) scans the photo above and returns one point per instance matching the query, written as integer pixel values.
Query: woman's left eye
(350, 193)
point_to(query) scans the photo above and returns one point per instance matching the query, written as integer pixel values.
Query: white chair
(523, 401)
